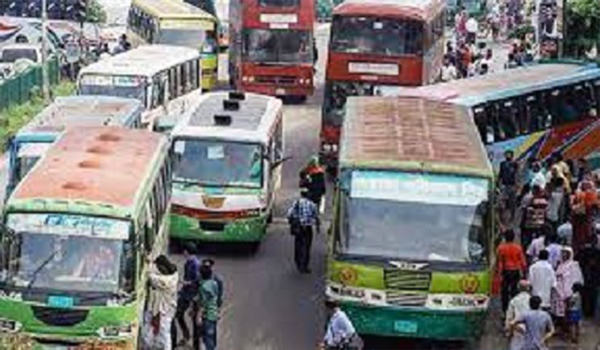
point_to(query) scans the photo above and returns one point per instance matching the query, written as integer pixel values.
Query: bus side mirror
(277, 163)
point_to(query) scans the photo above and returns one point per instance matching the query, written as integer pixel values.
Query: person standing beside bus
(187, 293)
(511, 266)
(209, 309)
(507, 181)
(312, 177)
(340, 334)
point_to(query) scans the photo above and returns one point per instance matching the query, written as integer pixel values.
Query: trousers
(302, 246)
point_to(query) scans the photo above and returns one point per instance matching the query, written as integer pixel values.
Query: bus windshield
(190, 38)
(422, 217)
(218, 163)
(67, 253)
(277, 46)
(115, 85)
(371, 35)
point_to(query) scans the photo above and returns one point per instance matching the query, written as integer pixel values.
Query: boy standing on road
(209, 309)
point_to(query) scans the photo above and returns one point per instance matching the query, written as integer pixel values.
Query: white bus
(227, 154)
(167, 79)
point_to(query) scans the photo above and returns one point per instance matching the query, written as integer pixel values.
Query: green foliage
(95, 13)
(583, 27)
(521, 31)
(16, 116)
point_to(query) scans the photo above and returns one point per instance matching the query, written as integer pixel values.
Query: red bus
(271, 46)
(374, 47)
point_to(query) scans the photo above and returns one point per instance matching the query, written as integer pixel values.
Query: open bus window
(276, 46)
(376, 36)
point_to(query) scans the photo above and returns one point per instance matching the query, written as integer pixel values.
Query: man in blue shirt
(303, 215)
(187, 293)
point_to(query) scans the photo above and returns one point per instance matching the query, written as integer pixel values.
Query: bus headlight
(9, 326)
(116, 331)
(248, 79)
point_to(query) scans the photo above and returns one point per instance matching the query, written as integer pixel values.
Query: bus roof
(508, 83)
(100, 169)
(418, 10)
(83, 111)
(172, 9)
(145, 60)
(411, 133)
(252, 122)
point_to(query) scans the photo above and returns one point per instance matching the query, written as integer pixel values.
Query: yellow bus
(175, 22)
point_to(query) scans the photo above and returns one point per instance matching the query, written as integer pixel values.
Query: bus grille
(276, 80)
(398, 298)
(58, 316)
(407, 280)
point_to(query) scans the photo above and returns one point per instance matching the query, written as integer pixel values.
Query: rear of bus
(272, 47)
(374, 47)
(75, 236)
(410, 246)
(34, 139)
(174, 22)
(227, 168)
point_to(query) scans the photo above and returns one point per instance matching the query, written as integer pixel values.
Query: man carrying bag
(302, 216)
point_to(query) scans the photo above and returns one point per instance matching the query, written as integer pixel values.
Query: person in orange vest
(312, 177)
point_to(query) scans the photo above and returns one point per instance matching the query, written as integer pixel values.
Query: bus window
(508, 119)
(481, 122)
(493, 123)
(173, 82)
(535, 115)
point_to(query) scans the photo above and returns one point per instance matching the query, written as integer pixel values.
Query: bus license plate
(280, 92)
(59, 301)
(409, 327)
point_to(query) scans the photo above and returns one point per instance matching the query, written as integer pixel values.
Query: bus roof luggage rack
(222, 119)
(237, 95)
(231, 105)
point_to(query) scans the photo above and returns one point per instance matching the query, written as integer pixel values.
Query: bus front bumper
(240, 230)
(273, 90)
(415, 322)
(27, 341)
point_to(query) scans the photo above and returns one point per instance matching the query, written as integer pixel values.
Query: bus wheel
(253, 247)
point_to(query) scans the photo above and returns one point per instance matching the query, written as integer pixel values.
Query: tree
(583, 27)
(95, 13)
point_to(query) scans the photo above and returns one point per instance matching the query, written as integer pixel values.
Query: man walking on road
(538, 326)
(511, 265)
(543, 279)
(209, 309)
(302, 216)
(187, 293)
(507, 179)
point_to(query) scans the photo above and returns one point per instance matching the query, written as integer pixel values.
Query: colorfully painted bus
(411, 243)
(174, 22)
(35, 138)
(76, 235)
(272, 46)
(166, 78)
(375, 45)
(228, 155)
(535, 111)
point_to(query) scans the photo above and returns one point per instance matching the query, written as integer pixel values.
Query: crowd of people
(199, 296)
(550, 280)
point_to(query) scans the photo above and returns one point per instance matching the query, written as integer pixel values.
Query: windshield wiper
(40, 268)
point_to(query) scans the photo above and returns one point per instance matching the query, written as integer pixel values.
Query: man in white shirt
(449, 71)
(517, 307)
(542, 279)
(472, 28)
(538, 176)
(340, 331)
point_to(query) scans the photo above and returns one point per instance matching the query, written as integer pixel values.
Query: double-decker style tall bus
(165, 78)
(228, 156)
(174, 22)
(411, 244)
(376, 45)
(535, 111)
(35, 138)
(75, 240)
(271, 46)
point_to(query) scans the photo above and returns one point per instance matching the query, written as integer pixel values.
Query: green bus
(227, 158)
(76, 233)
(411, 243)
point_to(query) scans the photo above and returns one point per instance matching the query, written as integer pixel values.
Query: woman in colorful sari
(583, 204)
(568, 274)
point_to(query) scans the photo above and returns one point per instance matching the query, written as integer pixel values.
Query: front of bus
(66, 280)
(373, 49)
(410, 253)
(277, 48)
(220, 190)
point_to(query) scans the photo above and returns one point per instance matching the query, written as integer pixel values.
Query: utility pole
(45, 82)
